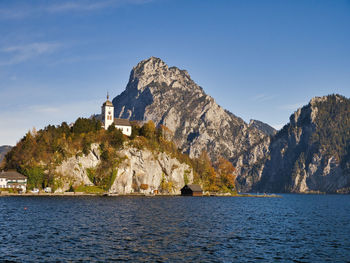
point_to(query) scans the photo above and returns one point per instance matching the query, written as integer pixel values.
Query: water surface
(295, 228)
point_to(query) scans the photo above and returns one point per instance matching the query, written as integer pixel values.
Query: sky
(259, 59)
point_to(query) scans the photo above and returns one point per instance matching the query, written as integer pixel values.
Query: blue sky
(260, 59)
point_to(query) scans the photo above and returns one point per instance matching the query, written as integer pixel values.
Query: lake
(294, 228)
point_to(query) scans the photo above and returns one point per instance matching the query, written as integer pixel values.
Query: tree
(111, 128)
(135, 131)
(116, 138)
(83, 125)
(148, 130)
(226, 171)
(35, 176)
(64, 129)
(206, 172)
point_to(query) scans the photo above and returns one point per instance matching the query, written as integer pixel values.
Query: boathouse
(192, 190)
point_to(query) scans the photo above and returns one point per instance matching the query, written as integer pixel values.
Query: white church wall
(125, 129)
(108, 116)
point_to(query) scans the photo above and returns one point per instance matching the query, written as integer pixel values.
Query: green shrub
(91, 173)
(112, 178)
(116, 138)
(35, 176)
(89, 189)
(186, 174)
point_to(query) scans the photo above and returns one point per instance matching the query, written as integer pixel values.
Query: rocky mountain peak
(168, 96)
(154, 72)
(316, 100)
(309, 112)
(149, 66)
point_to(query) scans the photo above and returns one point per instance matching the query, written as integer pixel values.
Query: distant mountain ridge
(3, 150)
(168, 96)
(265, 128)
(310, 154)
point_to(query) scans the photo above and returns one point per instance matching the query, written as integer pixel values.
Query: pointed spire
(108, 102)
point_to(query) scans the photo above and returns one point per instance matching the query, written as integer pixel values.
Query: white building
(12, 179)
(107, 116)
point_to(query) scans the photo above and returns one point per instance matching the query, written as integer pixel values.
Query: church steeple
(107, 113)
(108, 102)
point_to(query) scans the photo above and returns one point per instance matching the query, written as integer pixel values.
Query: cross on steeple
(107, 95)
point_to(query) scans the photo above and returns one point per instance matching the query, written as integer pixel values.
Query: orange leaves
(220, 180)
(226, 171)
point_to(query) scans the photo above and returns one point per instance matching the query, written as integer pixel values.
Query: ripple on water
(295, 228)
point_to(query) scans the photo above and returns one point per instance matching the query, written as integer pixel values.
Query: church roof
(122, 122)
(108, 103)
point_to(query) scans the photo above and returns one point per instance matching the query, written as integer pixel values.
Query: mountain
(3, 150)
(168, 96)
(265, 128)
(310, 154)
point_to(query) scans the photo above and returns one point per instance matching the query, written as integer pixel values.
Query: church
(107, 117)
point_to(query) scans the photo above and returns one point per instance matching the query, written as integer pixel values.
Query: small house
(192, 190)
(13, 179)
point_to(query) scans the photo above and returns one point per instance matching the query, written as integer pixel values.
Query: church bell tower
(107, 113)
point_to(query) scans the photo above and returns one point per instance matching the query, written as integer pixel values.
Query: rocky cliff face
(73, 171)
(265, 128)
(168, 96)
(142, 168)
(141, 171)
(310, 154)
(250, 165)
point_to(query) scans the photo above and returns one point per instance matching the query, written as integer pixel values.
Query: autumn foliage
(38, 153)
(221, 179)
